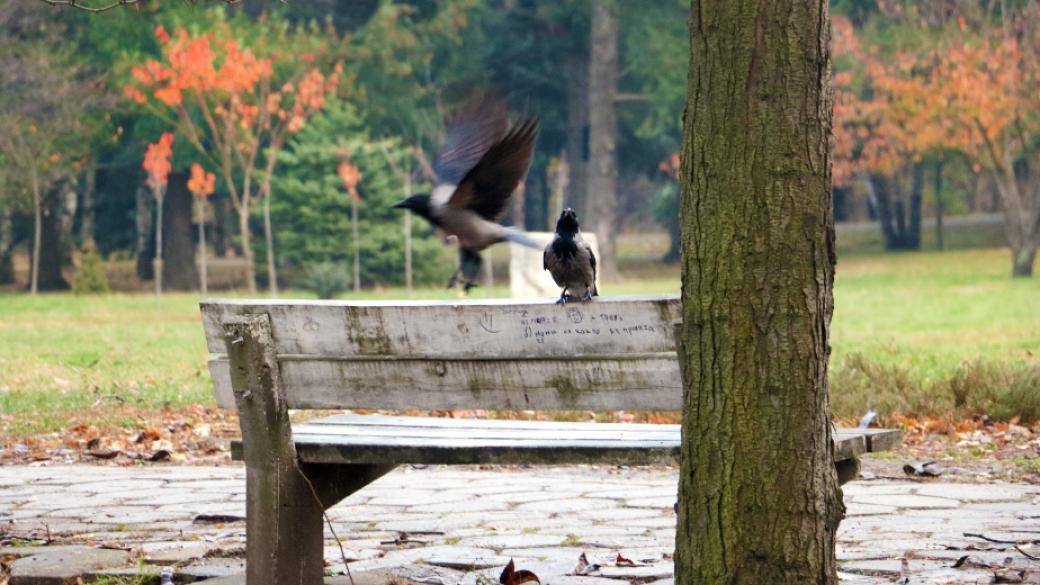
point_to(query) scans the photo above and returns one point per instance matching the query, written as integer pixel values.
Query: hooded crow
(570, 261)
(478, 168)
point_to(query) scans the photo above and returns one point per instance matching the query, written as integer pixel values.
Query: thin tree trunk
(408, 237)
(759, 500)
(913, 235)
(272, 274)
(157, 262)
(203, 272)
(601, 207)
(86, 226)
(939, 204)
(34, 277)
(357, 242)
(247, 248)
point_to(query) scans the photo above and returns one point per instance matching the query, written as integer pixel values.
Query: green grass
(904, 328)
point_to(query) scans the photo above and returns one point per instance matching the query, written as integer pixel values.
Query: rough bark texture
(759, 500)
(601, 199)
(179, 269)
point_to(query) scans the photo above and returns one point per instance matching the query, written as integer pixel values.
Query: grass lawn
(904, 324)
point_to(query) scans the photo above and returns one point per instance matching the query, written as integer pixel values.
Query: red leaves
(157, 161)
(351, 177)
(201, 183)
(510, 576)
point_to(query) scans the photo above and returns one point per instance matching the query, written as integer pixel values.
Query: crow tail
(518, 237)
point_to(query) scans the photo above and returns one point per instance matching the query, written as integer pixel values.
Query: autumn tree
(201, 184)
(759, 500)
(992, 105)
(157, 166)
(230, 106)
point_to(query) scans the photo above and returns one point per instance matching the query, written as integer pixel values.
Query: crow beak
(400, 204)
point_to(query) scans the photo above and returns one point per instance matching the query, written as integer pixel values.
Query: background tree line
(608, 80)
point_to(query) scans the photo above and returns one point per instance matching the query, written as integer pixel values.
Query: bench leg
(284, 536)
(848, 470)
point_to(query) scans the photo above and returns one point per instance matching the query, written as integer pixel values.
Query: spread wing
(486, 188)
(471, 131)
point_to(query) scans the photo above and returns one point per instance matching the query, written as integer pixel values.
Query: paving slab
(460, 525)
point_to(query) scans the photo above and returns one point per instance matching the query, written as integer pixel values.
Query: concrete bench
(272, 356)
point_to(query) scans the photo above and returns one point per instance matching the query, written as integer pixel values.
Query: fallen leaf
(1009, 576)
(621, 561)
(105, 454)
(584, 566)
(160, 455)
(510, 576)
(216, 518)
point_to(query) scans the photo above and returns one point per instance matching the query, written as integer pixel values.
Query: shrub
(90, 276)
(327, 279)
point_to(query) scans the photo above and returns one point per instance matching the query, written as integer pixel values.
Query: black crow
(570, 260)
(479, 166)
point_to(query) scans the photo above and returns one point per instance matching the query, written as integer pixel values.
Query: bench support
(284, 536)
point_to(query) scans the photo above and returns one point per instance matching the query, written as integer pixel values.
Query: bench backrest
(611, 354)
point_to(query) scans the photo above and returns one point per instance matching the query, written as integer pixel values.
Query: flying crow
(570, 261)
(478, 167)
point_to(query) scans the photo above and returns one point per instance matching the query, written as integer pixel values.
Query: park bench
(272, 356)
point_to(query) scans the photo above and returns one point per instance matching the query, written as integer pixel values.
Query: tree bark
(939, 204)
(34, 264)
(601, 202)
(247, 248)
(203, 270)
(6, 245)
(759, 500)
(272, 270)
(179, 269)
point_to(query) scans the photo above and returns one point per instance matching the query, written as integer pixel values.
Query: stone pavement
(461, 525)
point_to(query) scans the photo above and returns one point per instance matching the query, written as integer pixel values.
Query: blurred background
(259, 145)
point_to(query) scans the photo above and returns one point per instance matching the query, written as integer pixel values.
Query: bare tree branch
(78, 4)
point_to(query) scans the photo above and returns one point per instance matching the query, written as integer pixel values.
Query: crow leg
(470, 264)
(563, 297)
(588, 294)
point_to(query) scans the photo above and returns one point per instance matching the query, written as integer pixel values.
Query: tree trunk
(247, 248)
(203, 271)
(86, 225)
(272, 271)
(144, 250)
(939, 204)
(602, 169)
(759, 500)
(157, 262)
(1023, 258)
(179, 269)
(6, 245)
(52, 255)
(408, 237)
(577, 73)
(913, 233)
(34, 265)
(356, 241)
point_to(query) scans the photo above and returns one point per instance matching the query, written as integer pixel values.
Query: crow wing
(471, 131)
(486, 188)
(592, 261)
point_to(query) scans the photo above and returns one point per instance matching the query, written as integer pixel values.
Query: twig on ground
(328, 521)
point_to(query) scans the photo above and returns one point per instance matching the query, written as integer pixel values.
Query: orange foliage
(201, 183)
(351, 177)
(157, 161)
